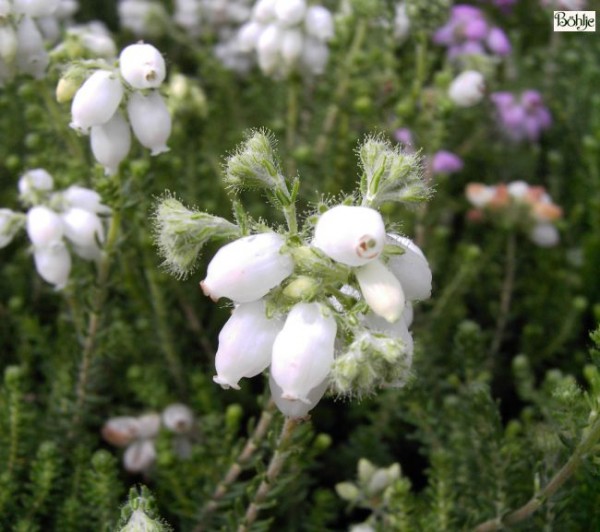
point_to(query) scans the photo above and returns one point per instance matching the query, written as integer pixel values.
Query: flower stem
(538, 500)
(252, 444)
(505, 295)
(273, 470)
(291, 125)
(345, 73)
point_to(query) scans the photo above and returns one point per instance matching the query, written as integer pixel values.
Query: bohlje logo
(574, 21)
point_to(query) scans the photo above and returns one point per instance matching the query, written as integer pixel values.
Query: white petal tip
(161, 149)
(225, 384)
(206, 291)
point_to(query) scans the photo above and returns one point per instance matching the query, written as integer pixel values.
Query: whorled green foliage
(180, 234)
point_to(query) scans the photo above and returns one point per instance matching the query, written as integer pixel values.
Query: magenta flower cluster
(523, 117)
(467, 32)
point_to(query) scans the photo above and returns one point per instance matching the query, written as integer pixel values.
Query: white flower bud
(32, 57)
(33, 182)
(139, 456)
(82, 227)
(178, 418)
(350, 235)
(44, 226)
(8, 43)
(96, 101)
(111, 142)
(35, 8)
(150, 121)
(296, 409)
(291, 46)
(319, 23)
(315, 56)
(544, 235)
(142, 66)
(303, 351)
(264, 11)
(248, 35)
(247, 268)
(53, 263)
(268, 48)
(518, 189)
(381, 289)
(290, 12)
(121, 431)
(467, 89)
(84, 198)
(411, 269)
(148, 425)
(245, 344)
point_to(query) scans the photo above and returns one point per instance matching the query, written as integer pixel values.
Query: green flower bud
(365, 470)
(347, 491)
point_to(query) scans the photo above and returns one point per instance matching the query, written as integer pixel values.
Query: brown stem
(252, 444)
(538, 500)
(273, 471)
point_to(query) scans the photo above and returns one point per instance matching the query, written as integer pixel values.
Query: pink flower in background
(468, 32)
(524, 117)
(445, 162)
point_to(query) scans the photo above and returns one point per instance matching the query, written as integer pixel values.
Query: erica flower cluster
(73, 216)
(288, 35)
(25, 25)
(523, 117)
(138, 434)
(324, 306)
(468, 32)
(520, 205)
(95, 109)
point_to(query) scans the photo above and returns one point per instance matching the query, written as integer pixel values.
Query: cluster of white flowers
(137, 435)
(95, 106)
(91, 40)
(303, 346)
(144, 18)
(288, 35)
(25, 27)
(74, 214)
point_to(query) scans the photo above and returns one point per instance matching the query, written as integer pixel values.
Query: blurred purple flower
(522, 118)
(445, 162)
(468, 32)
(404, 136)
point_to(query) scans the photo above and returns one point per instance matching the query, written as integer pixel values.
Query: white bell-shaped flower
(296, 409)
(96, 101)
(398, 329)
(291, 46)
(544, 235)
(150, 121)
(32, 57)
(84, 198)
(139, 456)
(467, 89)
(121, 431)
(411, 269)
(247, 268)
(111, 142)
(44, 226)
(32, 182)
(53, 263)
(8, 43)
(315, 55)
(264, 10)
(303, 351)
(142, 66)
(268, 48)
(35, 8)
(82, 227)
(178, 418)
(248, 35)
(408, 314)
(66, 9)
(351, 235)
(245, 344)
(319, 23)
(381, 289)
(148, 425)
(290, 12)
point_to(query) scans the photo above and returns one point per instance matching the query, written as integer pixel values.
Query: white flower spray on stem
(323, 306)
